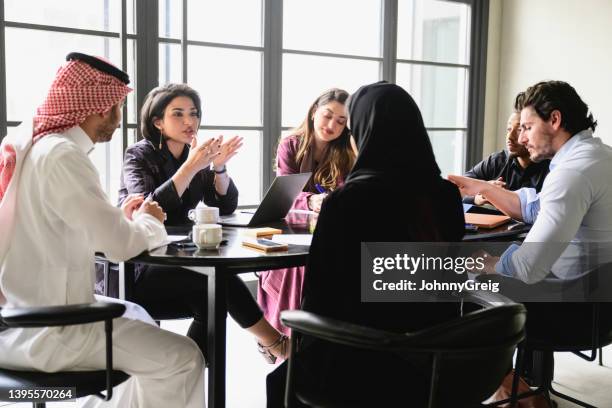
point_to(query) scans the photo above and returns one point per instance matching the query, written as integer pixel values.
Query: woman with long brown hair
(321, 145)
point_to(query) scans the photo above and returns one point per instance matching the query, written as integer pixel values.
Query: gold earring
(161, 138)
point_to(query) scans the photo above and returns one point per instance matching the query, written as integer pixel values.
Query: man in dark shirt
(512, 169)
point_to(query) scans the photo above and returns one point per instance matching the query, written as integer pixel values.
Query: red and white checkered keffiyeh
(77, 92)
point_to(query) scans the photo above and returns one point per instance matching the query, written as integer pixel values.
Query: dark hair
(548, 96)
(155, 104)
(338, 162)
(518, 102)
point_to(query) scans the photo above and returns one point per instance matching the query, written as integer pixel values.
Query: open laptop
(275, 204)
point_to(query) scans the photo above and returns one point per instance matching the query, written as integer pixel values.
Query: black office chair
(85, 382)
(585, 326)
(569, 326)
(467, 357)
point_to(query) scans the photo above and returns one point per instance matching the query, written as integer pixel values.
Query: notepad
(262, 232)
(486, 220)
(264, 245)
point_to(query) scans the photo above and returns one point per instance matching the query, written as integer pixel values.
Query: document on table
(175, 238)
(293, 239)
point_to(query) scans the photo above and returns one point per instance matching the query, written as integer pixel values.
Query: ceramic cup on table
(207, 236)
(203, 214)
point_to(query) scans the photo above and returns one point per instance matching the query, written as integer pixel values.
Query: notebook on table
(275, 205)
(486, 220)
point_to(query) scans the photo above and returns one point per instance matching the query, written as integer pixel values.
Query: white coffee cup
(204, 215)
(207, 236)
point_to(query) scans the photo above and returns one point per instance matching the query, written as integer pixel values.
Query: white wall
(569, 40)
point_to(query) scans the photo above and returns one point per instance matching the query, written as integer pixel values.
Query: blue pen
(319, 188)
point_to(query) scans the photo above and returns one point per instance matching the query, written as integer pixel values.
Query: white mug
(207, 236)
(204, 215)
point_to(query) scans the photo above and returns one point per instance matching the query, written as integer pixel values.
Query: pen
(319, 188)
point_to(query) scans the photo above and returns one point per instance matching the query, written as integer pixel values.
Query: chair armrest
(64, 315)
(337, 331)
(485, 298)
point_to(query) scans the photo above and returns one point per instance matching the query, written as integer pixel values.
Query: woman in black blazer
(175, 169)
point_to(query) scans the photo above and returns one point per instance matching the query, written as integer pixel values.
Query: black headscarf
(389, 132)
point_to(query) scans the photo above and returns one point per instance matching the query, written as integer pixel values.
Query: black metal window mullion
(479, 25)
(147, 50)
(272, 87)
(61, 29)
(389, 40)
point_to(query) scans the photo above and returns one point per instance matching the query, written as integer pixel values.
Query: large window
(257, 64)
(38, 35)
(321, 50)
(220, 54)
(433, 65)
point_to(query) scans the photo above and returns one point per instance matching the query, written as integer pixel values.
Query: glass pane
(131, 98)
(338, 26)
(245, 167)
(448, 147)
(171, 18)
(25, 49)
(433, 30)
(115, 161)
(440, 92)
(170, 63)
(228, 21)
(229, 83)
(132, 137)
(131, 16)
(96, 15)
(305, 77)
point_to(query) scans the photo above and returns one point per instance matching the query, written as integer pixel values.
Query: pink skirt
(279, 290)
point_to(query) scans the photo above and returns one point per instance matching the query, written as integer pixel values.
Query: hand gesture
(227, 150)
(479, 199)
(152, 208)
(200, 156)
(315, 201)
(131, 203)
(468, 186)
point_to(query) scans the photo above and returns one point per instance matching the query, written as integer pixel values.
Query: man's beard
(107, 129)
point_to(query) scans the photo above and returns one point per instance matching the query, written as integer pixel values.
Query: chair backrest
(566, 315)
(473, 353)
(466, 358)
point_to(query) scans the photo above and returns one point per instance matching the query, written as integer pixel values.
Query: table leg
(127, 278)
(217, 311)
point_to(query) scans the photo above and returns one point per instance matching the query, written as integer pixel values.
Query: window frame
(147, 41)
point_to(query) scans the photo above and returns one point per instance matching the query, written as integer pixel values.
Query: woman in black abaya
(394, 193)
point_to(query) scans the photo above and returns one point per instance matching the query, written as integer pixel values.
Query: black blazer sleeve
(139, 177)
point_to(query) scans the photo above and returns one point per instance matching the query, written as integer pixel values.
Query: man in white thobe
(54, 216)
